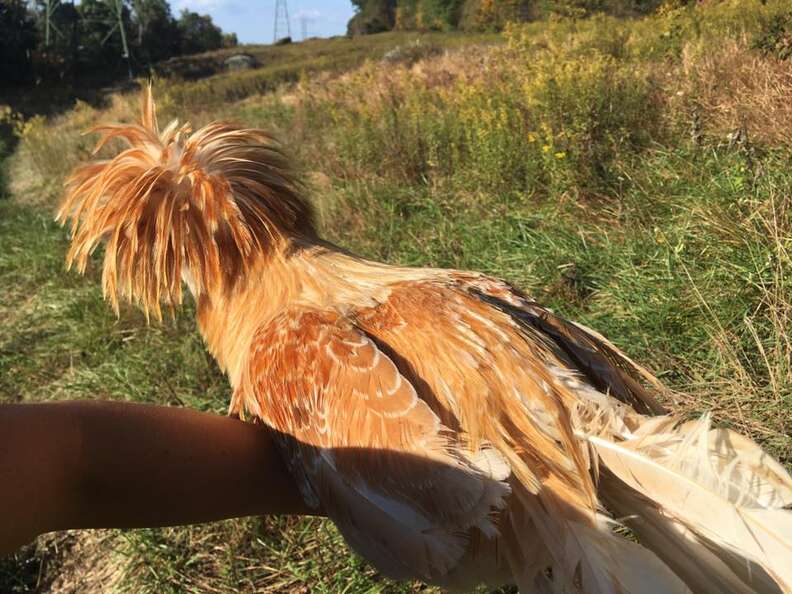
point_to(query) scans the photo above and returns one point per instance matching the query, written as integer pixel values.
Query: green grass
(661, 272)
(675, 246)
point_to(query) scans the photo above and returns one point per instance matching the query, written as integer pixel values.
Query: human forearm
(103, 464)
(38, 458)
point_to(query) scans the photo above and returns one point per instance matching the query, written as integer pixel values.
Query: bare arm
(108, 464)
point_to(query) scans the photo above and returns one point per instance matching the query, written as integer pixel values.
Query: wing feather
(399, 485)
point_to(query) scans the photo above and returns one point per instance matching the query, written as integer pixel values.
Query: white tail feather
(584, 558)
(615, 565)
(682, 550)
(729, 497)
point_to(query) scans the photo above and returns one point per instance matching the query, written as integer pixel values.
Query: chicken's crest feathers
(180, 205)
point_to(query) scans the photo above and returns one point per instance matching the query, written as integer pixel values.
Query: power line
(282, 23)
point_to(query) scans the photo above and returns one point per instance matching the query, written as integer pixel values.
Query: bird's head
(177, 205)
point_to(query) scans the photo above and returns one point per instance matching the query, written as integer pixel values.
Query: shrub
(53, 148)
(524, 117)
(678, 24)
(595, 111)
(411, 53)
(775, 37)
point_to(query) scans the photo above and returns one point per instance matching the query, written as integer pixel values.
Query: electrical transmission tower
(281, 21)
(115, 20)
(118, 9)
(50, 6)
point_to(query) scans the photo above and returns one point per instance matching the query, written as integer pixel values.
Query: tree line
(373, 16)
(64, 39)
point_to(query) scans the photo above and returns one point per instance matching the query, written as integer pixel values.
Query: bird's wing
(377, 458)
(498, 375)
(584, 350)
(489, 378)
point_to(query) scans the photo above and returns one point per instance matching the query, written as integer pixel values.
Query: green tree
(440, 14)
(101, 48)
(58, 41)
(156, 33)
(372, 16)
(17, 41)
(492, 15)
(197, 33)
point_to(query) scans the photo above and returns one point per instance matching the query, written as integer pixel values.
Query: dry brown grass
(84, 563)
(736, 88)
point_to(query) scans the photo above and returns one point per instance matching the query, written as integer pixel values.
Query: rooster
(456, 431)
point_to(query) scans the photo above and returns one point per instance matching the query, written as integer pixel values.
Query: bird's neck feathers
(204, 207)
(309, 275)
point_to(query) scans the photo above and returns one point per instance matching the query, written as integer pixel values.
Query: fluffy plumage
(455, 430)
(177, 204)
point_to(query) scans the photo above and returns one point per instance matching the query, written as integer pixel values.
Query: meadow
(635, 175)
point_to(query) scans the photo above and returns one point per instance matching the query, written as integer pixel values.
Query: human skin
(119, 465)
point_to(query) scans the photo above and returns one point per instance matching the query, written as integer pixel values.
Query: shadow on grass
(8, 142)
(20, 572)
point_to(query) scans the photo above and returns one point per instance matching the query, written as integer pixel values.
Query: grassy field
(633, 175)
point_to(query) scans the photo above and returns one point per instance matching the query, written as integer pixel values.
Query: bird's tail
(709, 509)
(708, 502)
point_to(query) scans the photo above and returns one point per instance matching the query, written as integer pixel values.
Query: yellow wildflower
(560, 155)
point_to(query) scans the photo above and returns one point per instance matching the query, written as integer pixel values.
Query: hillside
(631, 174)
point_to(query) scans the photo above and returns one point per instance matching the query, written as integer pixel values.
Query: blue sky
(251, 20)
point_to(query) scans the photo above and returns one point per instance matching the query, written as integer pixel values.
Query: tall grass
(515, 117)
